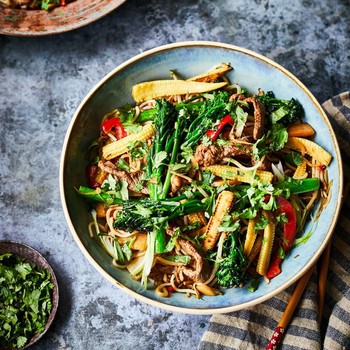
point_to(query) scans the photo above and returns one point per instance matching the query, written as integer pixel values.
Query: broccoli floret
(283, 111)
(231, 270)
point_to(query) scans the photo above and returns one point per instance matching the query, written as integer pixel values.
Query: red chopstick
(288, 312)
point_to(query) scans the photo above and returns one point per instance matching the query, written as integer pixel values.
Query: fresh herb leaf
(260, 148)
(278, 136)
(240, 117)
(184, 259)
(138, 149)
(302, 240)
(261, 223)
(122, 164)
(25, 300)
(115, 189)
(293, 158)
(47, 4)
(159, 158)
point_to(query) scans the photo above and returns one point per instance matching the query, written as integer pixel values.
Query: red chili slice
(288, 235)
(214, 134)
(115, 125)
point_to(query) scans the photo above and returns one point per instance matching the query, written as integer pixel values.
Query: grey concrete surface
(43, 80)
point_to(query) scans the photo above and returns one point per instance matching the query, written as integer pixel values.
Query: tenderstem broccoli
(279, 110)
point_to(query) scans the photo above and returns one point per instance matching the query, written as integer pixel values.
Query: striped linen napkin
(252, 328)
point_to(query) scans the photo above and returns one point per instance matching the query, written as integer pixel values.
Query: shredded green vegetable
(25, 300)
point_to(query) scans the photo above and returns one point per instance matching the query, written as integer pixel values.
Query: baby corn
(119, 147)
(266, 248)
(250, 237)
(300, 171)
(160, 88)
(233, 173)
(199, 217)
(212, 233)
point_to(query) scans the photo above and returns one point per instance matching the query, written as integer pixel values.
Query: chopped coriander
(302, 240)
(138, 149)
(25, 300)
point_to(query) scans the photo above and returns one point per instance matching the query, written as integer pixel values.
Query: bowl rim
(202, 311)
(55, 296)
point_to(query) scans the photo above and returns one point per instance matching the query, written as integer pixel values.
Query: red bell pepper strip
(62, 2)
(289, 229)
(214, 134)
(116, 125)
(171, 289)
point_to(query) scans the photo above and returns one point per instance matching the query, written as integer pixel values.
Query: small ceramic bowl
(32, 256)
(252, 71)
(21, 22)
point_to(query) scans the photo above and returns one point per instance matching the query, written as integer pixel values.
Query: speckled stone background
(42, 81)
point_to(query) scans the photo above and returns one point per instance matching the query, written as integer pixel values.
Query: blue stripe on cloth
(206, 345)
(238, 333)
(211, 346)
(341, 259)
(342, 314)
(304, 332)
(339, 338)
(339, 131)
(338, 101)
(337, 282)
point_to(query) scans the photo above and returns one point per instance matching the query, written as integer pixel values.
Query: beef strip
(235, 97)
(133, 178)
(259, 113)
(213, 154)
(259, 117)
(197, 271)
(176, 184)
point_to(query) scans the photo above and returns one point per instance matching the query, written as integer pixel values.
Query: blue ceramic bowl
(251, 71)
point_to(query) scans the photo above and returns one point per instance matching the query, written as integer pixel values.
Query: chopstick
(324, 262)
(299, 289)
(288, 312)
(322, 279)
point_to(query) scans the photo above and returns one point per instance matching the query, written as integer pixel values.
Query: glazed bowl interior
(251, 71)
(22, 22)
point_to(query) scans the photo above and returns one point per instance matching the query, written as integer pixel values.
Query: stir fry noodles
(203, 185)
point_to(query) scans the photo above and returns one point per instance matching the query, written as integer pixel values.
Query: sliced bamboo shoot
(300, 171)
(213, 74)
(311, 148)
(205, 289)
